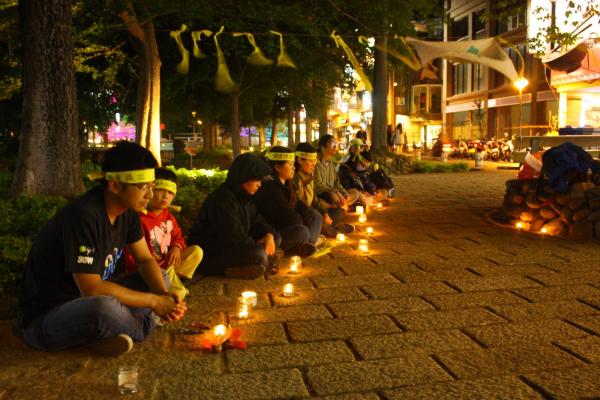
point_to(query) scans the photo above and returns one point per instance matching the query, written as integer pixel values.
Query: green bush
(25, 215)
(13, 253)
(424, 167)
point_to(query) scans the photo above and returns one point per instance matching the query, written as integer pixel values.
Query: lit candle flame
(219, 331)
(362, 218)
(369, 230)
(379, 206)
(249, 298)
(243, 314)
(360, 210)
(288, 290)
(544, 230)
(341, 237)
(519, 225)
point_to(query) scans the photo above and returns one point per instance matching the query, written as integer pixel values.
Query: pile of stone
(532, 205)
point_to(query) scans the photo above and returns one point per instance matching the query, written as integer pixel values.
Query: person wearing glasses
(68, 295)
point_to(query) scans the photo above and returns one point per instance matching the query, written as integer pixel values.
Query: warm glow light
(249, 298)
(341, 237)
(544, 230)
(369, 230)
(363, 246)
(219, 331)
(288, 290)
(251, 148)
(360, 210)
(521, 83)
(519, 225)
(295, 264)
(379, 206)
(243, 311)
(362, 218)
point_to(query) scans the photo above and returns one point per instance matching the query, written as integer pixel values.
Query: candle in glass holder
(369, 230)
(340, 237)
(519, 225)
(249, 298)
(363, 246)
(360, 210)
(379, 206)
(295, 264)
(220, 331)
(243, 310)
(288, 290)
(362, 218)
(544, 230)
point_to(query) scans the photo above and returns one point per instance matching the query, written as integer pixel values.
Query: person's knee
(196, 253)
(260, 256)
(102, 309)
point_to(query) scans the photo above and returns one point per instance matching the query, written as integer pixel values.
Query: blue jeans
(313, 221)
(253, 254)
(79, 321)
(293, 236)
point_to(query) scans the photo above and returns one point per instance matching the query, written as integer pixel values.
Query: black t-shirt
(78, 239)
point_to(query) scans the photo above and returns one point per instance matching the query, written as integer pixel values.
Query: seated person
(373, 178)
(308, 202)
(164, 237)
(326, 180)
(67, 298)
(354, 148)
(277, 202)
(236, 239)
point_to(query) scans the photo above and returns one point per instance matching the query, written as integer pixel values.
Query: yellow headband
(166, 184)
(280, 156)
(135, 176)
(308, 156)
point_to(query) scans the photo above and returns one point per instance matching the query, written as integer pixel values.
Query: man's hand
(176, 314)
(166, 304)
(337, 199)
(268, 243)
(173, 256)
(327, 219)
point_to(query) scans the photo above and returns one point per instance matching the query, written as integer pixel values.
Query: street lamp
(520, 84)
(194, 125)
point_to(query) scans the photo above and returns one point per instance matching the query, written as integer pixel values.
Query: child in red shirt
(164, 237)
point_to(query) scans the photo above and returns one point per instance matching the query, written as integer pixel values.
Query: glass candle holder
(128, 379)
(288, 290)
(369, 230)
(360, 210)
(243, 311)
(249, 298)
(379, 206)
(295, 264)
(220, 331)
(363, 246)
(340, 237)
(362, 218)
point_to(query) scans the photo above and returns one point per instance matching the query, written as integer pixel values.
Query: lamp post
(194, 125)
(520, 84)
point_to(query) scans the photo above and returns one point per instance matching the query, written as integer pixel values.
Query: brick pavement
(445, 306)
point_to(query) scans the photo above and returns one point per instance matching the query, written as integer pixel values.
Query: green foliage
(424, 167)
(25, 215)
(13, 253)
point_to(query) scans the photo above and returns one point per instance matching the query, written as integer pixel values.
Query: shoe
(391, 192)
(111, 347)
(345, 228)
(320, 240)
(329, 231)
(245, 272)
(304, 250)
(158, 320)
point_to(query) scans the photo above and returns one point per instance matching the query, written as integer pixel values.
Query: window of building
(517, 19)
(479, 32)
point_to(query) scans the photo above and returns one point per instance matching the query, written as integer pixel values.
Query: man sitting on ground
(67, 297)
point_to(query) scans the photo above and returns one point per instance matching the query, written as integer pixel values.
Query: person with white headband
(68, 296)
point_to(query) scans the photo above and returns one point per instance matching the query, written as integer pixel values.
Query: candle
(360, 210)
(249, 298)
(519, 225)
(379, 206)
(544, 230)
(219, 331)
(363, 246)
(362, 218)
(288, 290)
(243, 310)
(369, 230)
(341, 237)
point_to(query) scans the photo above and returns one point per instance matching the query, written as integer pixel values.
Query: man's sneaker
(329, 231)
(111, 347)
(391, 192)
(320, 240)
(345, 228)
(245, 272)
(304, 250)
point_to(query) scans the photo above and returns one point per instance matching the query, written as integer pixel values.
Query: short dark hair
(128, 156)
(324, 140)
(166, 174)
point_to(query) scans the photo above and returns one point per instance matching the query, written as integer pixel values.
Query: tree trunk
(323, 123)
(147, 121)
(273, 131)
(290, 123)
(261, 137)
(308, 129)
(235, 123)
(380, 92)
(209, 137)
(298, 131)
(48, 160)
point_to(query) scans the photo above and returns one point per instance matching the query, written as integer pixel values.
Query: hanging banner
(184, 66)
(257, 57)
(486, 52)
(223, 81)
(355, 64)
(196, 37)
(283, 60)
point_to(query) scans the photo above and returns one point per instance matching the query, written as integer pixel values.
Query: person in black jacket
(236, 239)
(276, 200)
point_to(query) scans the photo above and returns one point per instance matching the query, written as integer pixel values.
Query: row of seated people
(70, 293)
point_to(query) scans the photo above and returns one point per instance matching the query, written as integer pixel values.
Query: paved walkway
(445, 306)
